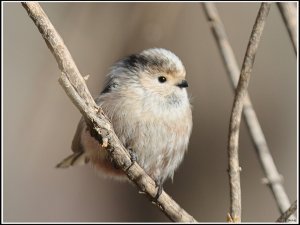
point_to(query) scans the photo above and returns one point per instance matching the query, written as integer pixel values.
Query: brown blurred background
(40, 120)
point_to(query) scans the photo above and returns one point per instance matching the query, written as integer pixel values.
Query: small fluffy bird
(146, 100)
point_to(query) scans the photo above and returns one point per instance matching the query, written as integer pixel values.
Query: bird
(145, 99)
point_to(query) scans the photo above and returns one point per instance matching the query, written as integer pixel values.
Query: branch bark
(288, 213)
(289, 15)
(273, 178)
(75, 87)
(235, 119)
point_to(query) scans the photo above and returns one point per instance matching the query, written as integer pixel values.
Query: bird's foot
(133, 156)
(159, 185)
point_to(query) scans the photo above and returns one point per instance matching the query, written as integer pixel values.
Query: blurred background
(40, 120)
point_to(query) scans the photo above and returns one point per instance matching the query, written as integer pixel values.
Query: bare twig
(288, 213)
(289, 14)
(273, 178)
(235, 119)
(74, 85)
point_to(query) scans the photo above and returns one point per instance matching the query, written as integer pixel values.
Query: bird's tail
(77, 158)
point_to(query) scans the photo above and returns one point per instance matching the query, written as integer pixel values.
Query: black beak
(183, 84)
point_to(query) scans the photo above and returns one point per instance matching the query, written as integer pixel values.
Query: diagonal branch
(289, 15)
(286, 216)
(74, 85)
(273, 178)
(235, 118)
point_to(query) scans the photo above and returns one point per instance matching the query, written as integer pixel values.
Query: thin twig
(235, 119)
(288, 213)
(74, 85)
(289, 15)
(263, 152)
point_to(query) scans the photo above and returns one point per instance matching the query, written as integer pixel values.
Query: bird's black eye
(162, 79)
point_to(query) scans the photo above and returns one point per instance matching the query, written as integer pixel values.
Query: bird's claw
(133, 156)
(159, 186)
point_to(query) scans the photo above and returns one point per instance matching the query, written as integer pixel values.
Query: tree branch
(288, 213)
(289, 15)
(264, 155)
(235, 119)
(74, 85)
